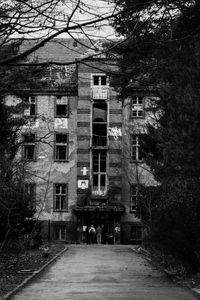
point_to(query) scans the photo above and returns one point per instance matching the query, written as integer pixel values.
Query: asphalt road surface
(94, 272)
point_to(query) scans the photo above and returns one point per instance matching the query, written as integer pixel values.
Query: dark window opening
(136, 232)
(30, 194)
(61, 147)
(100, 111)
(62, 106)
(29, 146)
(99, 80)
(60, 201)
(31, 102)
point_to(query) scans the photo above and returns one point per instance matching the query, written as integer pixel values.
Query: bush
(174, 217)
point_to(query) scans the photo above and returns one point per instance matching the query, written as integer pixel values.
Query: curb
(195, 291)
(8, 295)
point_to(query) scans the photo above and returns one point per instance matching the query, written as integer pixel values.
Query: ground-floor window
(60, 232)
(136, 232)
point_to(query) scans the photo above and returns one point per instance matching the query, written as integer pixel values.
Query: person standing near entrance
(92, 233)
(99, 233)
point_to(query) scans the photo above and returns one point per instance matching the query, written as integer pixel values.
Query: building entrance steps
(90, 272)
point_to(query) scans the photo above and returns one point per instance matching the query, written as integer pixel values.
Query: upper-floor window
(134, 198)
(30, 102)
(137, 107)
(60, 196)
(62, 106)
(136, 154)
(99, 80)
(61, 146)
(30, 193)
(29, 146)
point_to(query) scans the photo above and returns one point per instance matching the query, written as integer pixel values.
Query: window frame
(29, 144)
(29, 97)
(139, 107)
(60, 227)
(65, 209)
(27, 186)
(61, 144)
(133, 207)
(55, 107)
(136, 146)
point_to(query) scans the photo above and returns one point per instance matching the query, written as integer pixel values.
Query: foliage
(173, 219)
(161, 54)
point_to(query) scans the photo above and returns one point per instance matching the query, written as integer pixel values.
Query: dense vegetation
(161, 53)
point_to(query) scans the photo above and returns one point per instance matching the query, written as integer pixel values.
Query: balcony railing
(100, 93)
(99, 191)
(98, 140)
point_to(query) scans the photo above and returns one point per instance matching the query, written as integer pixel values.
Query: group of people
(91, 233)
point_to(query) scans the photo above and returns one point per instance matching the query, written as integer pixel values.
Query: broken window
(60, 200)
(136, 154)
(137, 107)
(30, 102)
(61, 146)
(29, 146)
(62, 107)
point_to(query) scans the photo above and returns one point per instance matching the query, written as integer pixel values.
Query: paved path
(94, 272)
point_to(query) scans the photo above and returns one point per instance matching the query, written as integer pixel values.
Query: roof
(59, 50)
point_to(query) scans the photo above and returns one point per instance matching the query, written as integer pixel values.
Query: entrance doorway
(106, 220)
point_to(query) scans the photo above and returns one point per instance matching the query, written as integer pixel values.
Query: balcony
(99, 92)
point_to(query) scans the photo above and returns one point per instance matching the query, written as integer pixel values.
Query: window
(61, 147)
(136, 232)
(29, 146)
(62, 107)
(134, 198)
(60, 197)
(137, 107)
(60, 232)
(31, 105)
(99, 172)
(30, 194)
(135, 148)
(99, 80)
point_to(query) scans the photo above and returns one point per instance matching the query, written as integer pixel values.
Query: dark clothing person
(103, 235)
(92, 233)
(98, 233)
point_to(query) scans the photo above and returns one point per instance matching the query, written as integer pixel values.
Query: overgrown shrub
(172, 215)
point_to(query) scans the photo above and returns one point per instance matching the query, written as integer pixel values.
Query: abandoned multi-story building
(82, 147)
